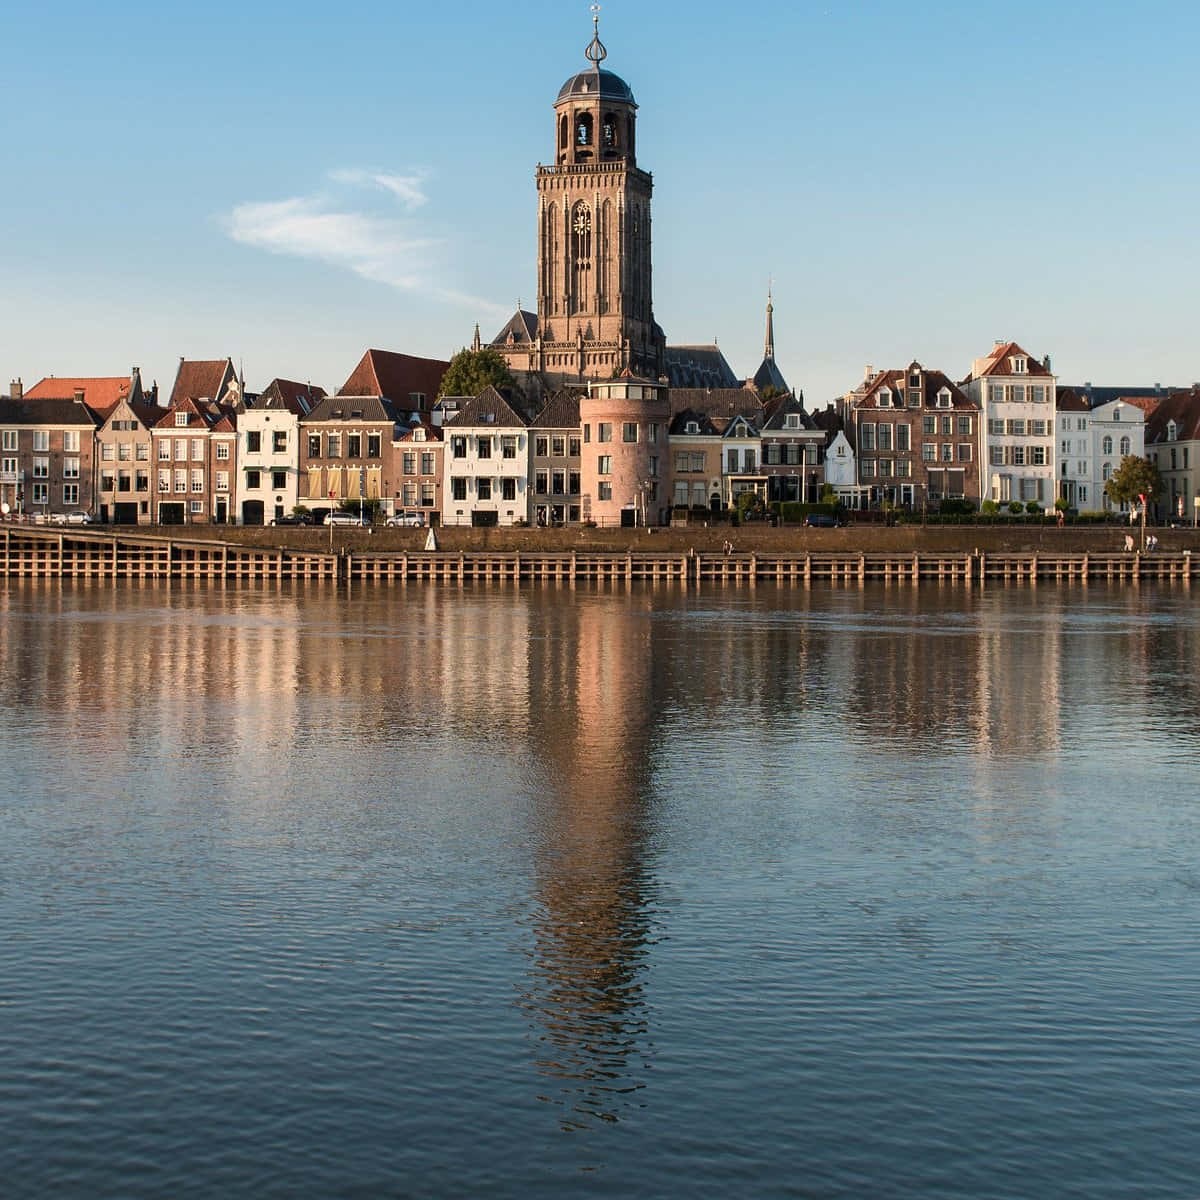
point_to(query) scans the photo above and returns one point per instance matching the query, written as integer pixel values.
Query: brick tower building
(595, 315)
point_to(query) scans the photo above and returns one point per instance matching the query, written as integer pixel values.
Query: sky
(292, 184)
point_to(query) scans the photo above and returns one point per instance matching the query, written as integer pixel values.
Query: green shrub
(1033, 508)
(1015, 507)
(989, 508)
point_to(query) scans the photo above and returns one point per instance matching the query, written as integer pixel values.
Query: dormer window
(181, 420)
(943, 398)
(792, 421)
(914, 379)
(885, 398)
(691, 427)
(1019, 364)
(418, 434)
(1172, 431)
(1117, 413)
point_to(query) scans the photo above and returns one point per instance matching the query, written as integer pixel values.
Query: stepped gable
(490, 407)
(395, 377)
(699, 367)
(561, 411)
(1181, 407)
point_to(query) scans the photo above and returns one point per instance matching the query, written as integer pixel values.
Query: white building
(1016, 395)
(485, 463)
(269, 451)
(841, 470)
(1092, 441)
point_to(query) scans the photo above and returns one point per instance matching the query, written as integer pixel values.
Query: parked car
(821, 521)
(301, 518)
(409, 520)
(341, 517)
(71, 518)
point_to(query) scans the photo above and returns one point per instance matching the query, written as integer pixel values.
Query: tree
(1133, 478)
(470, 371)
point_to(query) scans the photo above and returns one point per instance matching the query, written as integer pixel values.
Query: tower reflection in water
(592, 684)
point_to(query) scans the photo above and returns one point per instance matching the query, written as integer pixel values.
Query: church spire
(769, 351)
(596, 52)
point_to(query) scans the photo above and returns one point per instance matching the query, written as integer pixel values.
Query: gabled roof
(679, 424)
(348, 407)
(896, 381)
(297, 398)
(999, 362)
(203, 379)
(726, 426)
(488, 408)
(828, 419)
(561, 412)
(1069, 400)
(433, 433)
(727, 400)
(395, 377)
(1181, 407)
(101, 393)
(769, 375)
(776, 422)
(523, 326)
(216, 418)
(147, 414)
(46, 411)
(698, 367)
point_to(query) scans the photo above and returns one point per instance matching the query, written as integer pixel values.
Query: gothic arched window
(564, 133)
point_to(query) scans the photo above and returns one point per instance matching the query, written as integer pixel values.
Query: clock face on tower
(583, 221)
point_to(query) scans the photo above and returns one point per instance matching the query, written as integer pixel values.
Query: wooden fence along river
(87, 554)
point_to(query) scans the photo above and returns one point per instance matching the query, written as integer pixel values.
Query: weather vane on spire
(596, 53)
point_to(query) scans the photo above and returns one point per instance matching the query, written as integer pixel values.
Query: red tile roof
(101, 393)
(1181, 407)
(395, 377)
(998, 362)
(896, 381)
(202, 379)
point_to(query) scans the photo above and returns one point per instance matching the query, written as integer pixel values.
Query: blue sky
(289, 184)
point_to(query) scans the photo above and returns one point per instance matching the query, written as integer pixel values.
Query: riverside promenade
(687, 557)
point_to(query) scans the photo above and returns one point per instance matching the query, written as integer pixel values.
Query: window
(181, 481)
(652, 432)
(885, 398)
(731, 462)
(1172, 431)
(902, 443)
(41, 468)
(885, 466)
(143, 481)
(164, 481)
(683, 461)
(1037, 456)
(10, 439)
(181, 450)
(573, 446)
(8, 466)
(107, 452)
(866, 437)
(604, 465)
(692, 427)
(1106, 445)
(604, 432)
(222, 451)
(354, 445)
(70, 493)
(278, 480)
(71, 441)
(253, 480)
(426, 462)
(698, 462)
(629, 431)
(964, 451)
(541, 483)
(868, 468)
(943, 399)
(604, 491)
(71, 468)
(1017, 456)
(558, 483)
(791, 421)
(197, 450)
(654, 464)
(333, 445)
(1082, 493)
(1018, 366)
(197, 481)
(996, 456)
(427, 495)
(458, 449)
(929, 425)
(1125, 444)
(181, 420)
(196, 508)
(279, 441)
(903, 467)
(1037, 428)
(883, 437)
(995, 427)
(587, 433)
(483, 488)
(253, 441)
(408, 462)
(222, 481)
(558, 446)
(573, 487)
(1016, 427)
(995, 394)
(508, 488)
(508, 446)
(41, 493)
(314, 445)
(947, 452)
(1018, 393)
(541, 446)
(964, 426)
(483, 446)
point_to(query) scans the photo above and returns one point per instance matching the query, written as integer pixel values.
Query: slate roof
(524, 327)
(775, 422)
(698, 367)
(202, 379)
(724, 425)
(52, 410)
(897, 381)
(1144, 397)
(297, 398)
(726, 400)
(611, 86)
(1069, 400)
(101, 393)
(680, 420)
(395, 376)
(561, 412)
(488, 408)
(1181, 407)
(998, 362)
(348, 407)
(769, 375)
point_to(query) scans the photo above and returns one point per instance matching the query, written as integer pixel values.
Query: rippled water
(541, 892)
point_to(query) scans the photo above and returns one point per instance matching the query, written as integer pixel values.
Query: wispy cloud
(339, 225)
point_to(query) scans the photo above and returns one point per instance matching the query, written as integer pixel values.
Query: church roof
(586, 83)
(769, 375)
(522, 324)
(699, 367)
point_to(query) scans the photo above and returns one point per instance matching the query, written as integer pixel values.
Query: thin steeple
(769, 351)
(596, 52)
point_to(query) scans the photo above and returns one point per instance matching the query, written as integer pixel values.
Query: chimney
(16, 389)
(1046, 362)
(868, 373)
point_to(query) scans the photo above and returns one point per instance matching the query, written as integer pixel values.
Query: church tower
(595, 315)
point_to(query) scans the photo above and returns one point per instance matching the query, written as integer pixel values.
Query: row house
(741, 457)
(1173, 445)
(415, 481)
(46, 453)
(696, 460)
(793, 452)
(1091, 444)
(916, 437)
(268, 466)
(343, 440)
(556, 470)
(408, 385)
(194, 447)
(1016, 394)
(486, 463)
